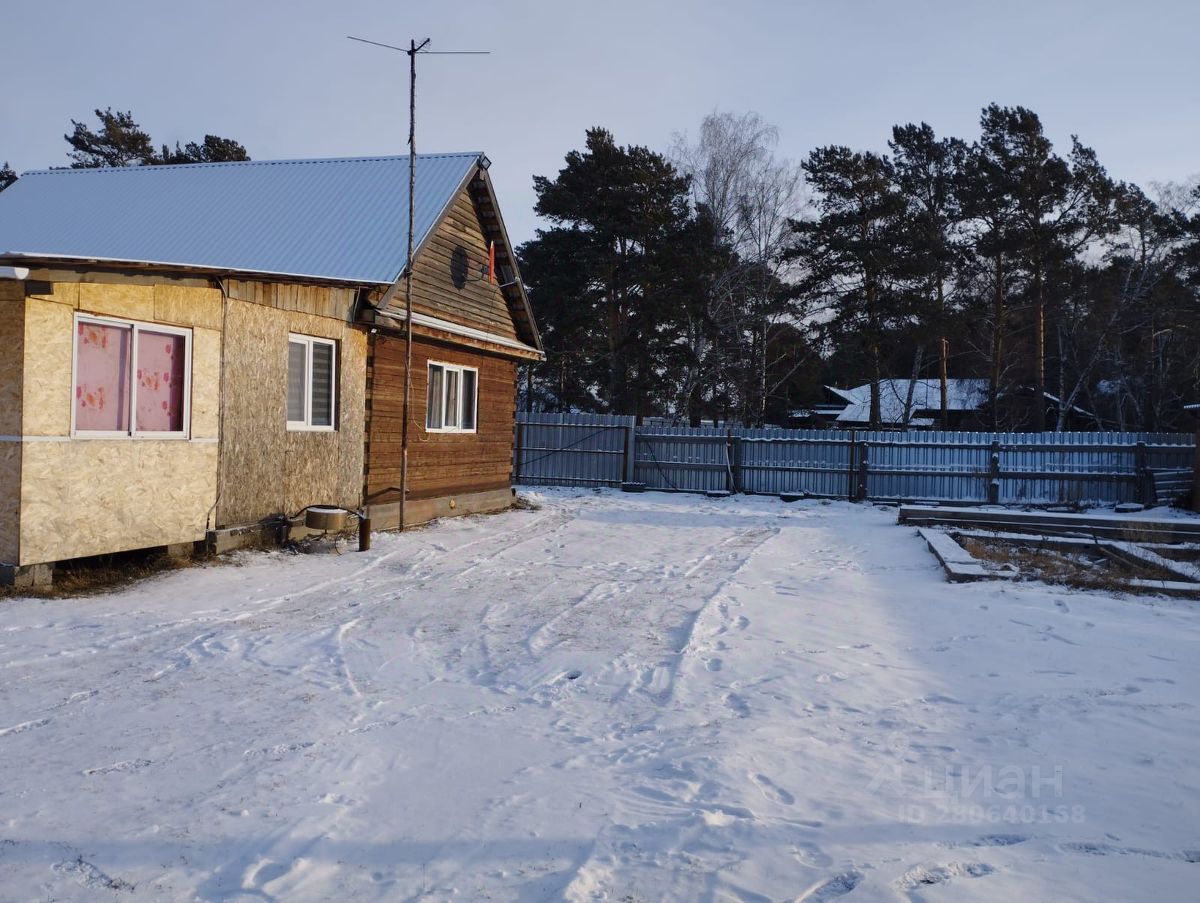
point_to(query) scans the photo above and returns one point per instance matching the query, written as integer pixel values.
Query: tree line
(117, 140)
(714, 281)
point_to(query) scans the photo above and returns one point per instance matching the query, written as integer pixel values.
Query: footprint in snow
(737, 705)
(925, 876)
(24, 726)
(90, 877)
(772, 791)
(130, 765)
(991, 840)
(831, 888)
(713, 664)
(810, 854)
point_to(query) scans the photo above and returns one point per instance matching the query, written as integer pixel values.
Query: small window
(131, 379)
(452, 399)
(311, 383)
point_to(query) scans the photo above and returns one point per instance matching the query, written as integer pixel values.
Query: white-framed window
(311, 383)
(452, 398)
(130, 379)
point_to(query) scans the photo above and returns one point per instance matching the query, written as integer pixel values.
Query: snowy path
(615, 697)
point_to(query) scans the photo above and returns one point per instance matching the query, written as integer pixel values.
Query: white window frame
(306, 425)
(135, 326)
(460, 369)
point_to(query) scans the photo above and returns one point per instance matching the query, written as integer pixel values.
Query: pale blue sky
(281, 78)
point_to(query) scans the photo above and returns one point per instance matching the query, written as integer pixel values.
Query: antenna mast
(412, 50)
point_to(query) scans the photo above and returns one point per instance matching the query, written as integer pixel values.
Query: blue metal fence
(1009, 468)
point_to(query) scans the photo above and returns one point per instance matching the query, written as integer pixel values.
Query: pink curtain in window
(102, 378)
(160, 379)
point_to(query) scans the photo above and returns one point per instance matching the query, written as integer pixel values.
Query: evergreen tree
(7, 176)
(119, 141)
(621, 209)
(988, 192)
(847, 253)
(1061, 206)
(212, 149)
(927, 173)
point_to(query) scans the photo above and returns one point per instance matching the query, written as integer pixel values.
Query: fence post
(733, 458)
(863, 470)
(851, 469)
(519, 449)
(1145, 481)
(628, 460)
(993, 491)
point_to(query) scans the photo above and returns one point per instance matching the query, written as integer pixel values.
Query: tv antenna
(412, 51)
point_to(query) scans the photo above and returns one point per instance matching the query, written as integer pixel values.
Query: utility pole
(412, 50)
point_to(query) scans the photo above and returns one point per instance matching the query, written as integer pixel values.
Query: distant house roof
(342, 219)
(962, 395)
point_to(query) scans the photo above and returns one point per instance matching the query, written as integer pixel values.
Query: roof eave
(30, 258)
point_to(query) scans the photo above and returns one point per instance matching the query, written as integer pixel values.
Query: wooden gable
(448, 276)
(450, 281)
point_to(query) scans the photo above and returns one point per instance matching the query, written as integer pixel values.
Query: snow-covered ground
(615, 697)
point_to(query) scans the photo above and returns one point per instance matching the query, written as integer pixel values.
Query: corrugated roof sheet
(340, 219)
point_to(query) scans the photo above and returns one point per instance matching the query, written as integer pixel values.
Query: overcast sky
(281, 78)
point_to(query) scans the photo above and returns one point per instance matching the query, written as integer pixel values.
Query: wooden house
(204, 351)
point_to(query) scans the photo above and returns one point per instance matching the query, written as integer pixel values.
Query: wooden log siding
(478, 303)
(440, 464)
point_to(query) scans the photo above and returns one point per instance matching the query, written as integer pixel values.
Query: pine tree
(212, 149)
(927, 173)
(622, 206)
(847, 253)
(7, 176)
(118, 142)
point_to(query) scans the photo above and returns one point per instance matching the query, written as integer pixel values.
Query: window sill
(137, 437)
(301, 428)
(451, 431)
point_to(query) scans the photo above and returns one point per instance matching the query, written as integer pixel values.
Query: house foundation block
(26, 576)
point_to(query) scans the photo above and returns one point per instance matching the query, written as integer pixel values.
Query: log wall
(440, 464)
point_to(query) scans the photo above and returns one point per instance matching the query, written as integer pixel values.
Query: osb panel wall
(132, 302)
(440, 464)
(49, 332)
(48, 328)
(266, 469)
(254, 420)
(206, 383)
(95, 496)
(12, 341)
(446, 277)
(10, 502)
(91, 496)
(187, 306)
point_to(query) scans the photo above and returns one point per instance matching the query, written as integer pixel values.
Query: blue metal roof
(340, 219)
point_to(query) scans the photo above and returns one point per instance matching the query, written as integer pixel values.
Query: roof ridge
(214, 164)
